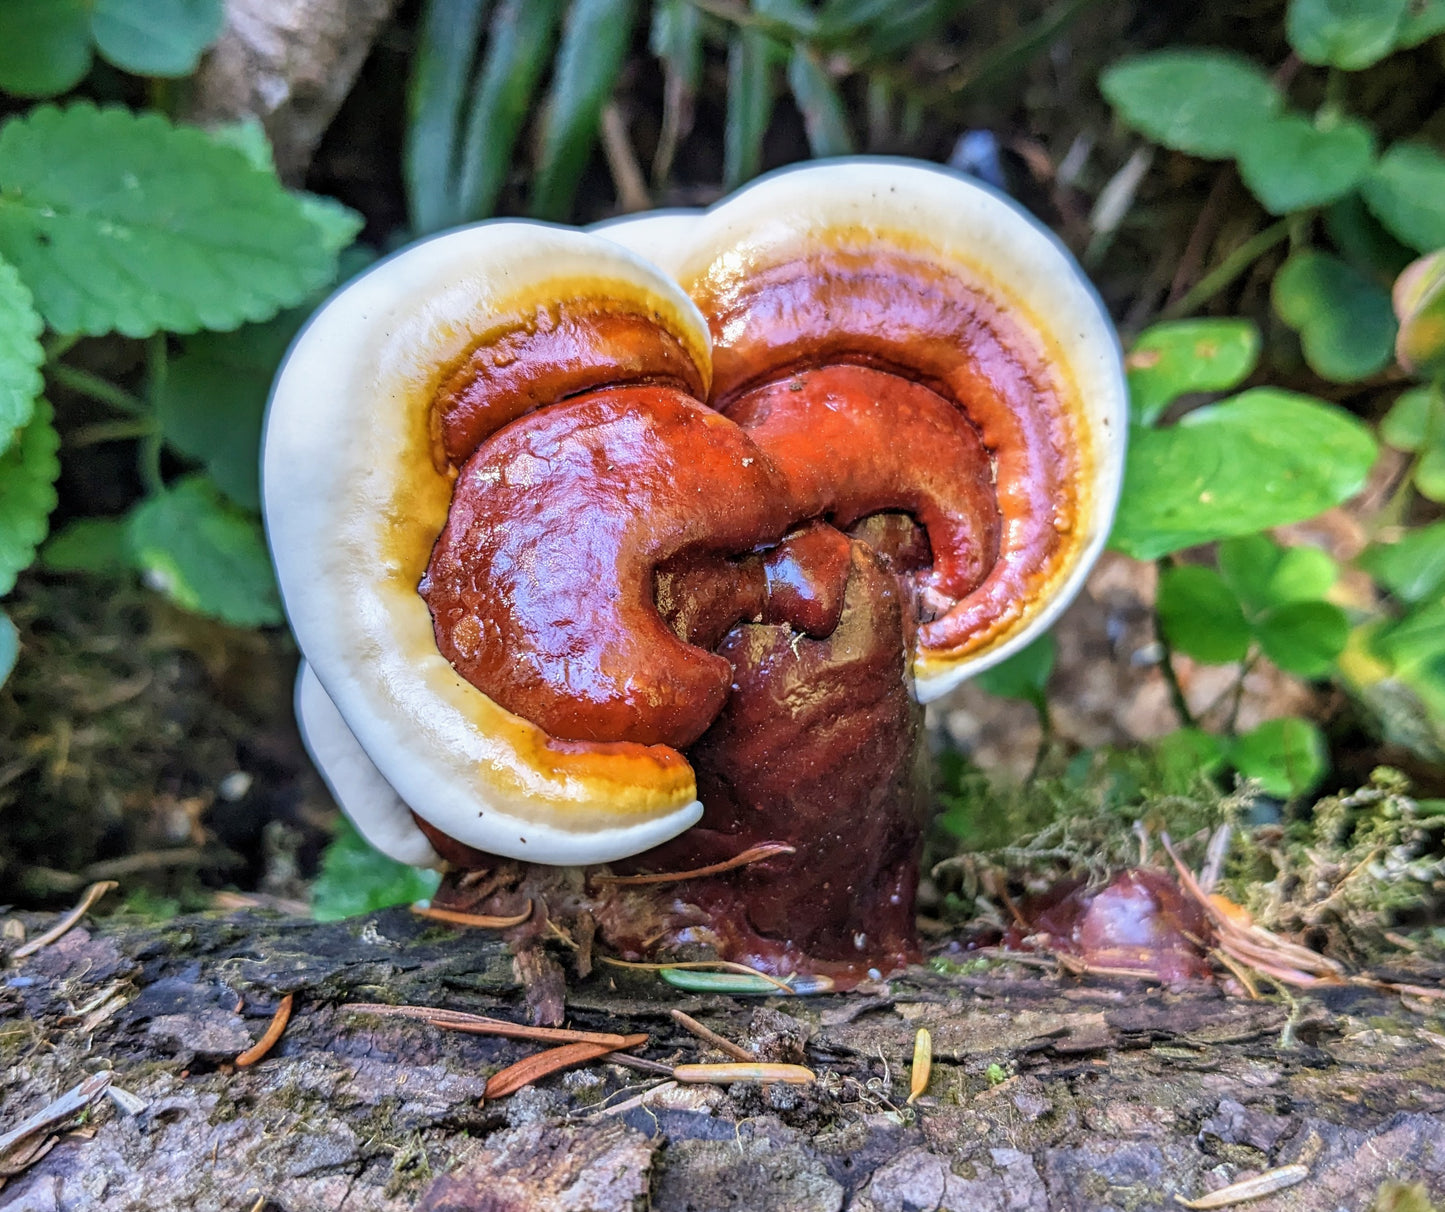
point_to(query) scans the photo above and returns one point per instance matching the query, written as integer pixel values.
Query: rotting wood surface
(1102, 1096)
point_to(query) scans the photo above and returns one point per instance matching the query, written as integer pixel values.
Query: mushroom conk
(541, 500)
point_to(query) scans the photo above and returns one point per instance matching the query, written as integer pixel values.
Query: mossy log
(1047, 1092)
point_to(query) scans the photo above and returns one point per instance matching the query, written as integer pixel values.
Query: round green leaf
(1288, 756)
(205, 554)
(1261, 459)
(1413, 569)
(1406, 192)
(156, 37)
(20, 356)
(44, 46)
(1424, 19)
(28, 471)
(1430, 471)
(123, 222)
(1289, 164)
(1345, 322)
(1205, 102)
(1303, 637)
(1186, 754)
(1265, 575)
(88, 545)
(1181, 356)
(1200, 615)
(1024, 675)
(1407, 425)
(1351, 34)
(9, 646)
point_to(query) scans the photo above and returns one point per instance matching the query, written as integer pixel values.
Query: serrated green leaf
(1205, 102)
(1290, 164)
(1182, 356)
(355, 879)
(44, 46)
(1200, 615)
(753, 58)
(1351, 34)
(28, 471)
(9, 647)
(1024, 675)
(441, 66)
(1265, 575)
(1288, 756)
(20, 356)
(824, 117)
(1261, 459)
(595, 39)
(156, 37)
(1423, 19)
(98, 546)
(519, 43)
(1345, 322)
(1413, 569)
(1303, 638)
(123, 222)
(205, 554)
(1407, 425)
(1406, 192)
(215, 395)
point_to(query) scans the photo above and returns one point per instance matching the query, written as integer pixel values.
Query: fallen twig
(1251, 1188)
(708, 1035)
(753, 854)
(273, 1032)
(479, 1024)
(69, 921)
(455, 918)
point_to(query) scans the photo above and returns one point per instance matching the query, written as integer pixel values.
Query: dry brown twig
(485, 921)
(69, 921)
(272, 1033)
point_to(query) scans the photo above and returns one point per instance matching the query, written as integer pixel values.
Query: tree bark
(1047, 1092)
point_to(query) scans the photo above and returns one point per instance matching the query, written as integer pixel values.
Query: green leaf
(676, 39)
(1288, 756)
(214, 396)
(1407, 425)
(28, 471)
(824, 116)
(1406, 192)
(1024, 675)
(20, 356)
(1182, 356)
(1200, 615)
(205, 554)
(519, 43)
(1362, 240)
(356, 879)
(441, 66)
(752, 61)
(1351, 34)
(1264, 575)
(1345, 322)
(98, 546)
(1303, 638)
(44, 46)
(1413, 569)
(156, 37)
(123, 222)
(9, 647)
(595, 40)
(1423, 19)
(1205, 102)
(1290, 164)
(1430, 471)
(1261, 459)
(1416, 642)
(1186, 754)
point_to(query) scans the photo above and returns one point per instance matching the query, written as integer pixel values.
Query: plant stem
(150, 445)
(97, 388)
(1227, 270)
(57, 345)
(1166, 666)
(119, 430)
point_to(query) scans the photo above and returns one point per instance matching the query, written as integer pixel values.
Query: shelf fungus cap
(930, 275)
(371, 414)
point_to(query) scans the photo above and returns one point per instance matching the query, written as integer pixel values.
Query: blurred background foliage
(1245, 181)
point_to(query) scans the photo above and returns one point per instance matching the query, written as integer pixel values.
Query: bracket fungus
(643, 546)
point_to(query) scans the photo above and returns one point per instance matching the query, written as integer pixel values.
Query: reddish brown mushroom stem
(629, 565)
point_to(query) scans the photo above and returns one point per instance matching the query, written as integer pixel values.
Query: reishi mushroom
(643, 547)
